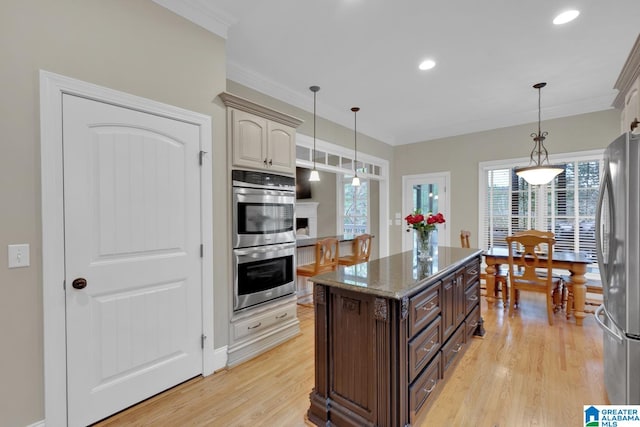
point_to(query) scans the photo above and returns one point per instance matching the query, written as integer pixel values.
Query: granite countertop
(304, 242)
(399, 275)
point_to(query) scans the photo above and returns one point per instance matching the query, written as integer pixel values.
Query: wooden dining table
(575, 262)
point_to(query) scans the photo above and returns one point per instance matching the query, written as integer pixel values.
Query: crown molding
(234, 101)
(629, 74)
(257, 82)
(202, 13)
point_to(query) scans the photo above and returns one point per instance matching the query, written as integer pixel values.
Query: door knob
(79, 283)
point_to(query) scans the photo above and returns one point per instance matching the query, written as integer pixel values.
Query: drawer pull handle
(427, 350)
(432, 305)
(255, 326)
(473, 298)
(282, 316)
(430, 389)
(457, 349)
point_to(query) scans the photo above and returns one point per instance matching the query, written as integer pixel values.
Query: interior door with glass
(427, 192)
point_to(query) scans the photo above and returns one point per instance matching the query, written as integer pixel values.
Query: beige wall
(133, 46)
(324, 193)
(460, 156)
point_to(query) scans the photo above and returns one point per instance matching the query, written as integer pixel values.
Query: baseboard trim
(220, 358)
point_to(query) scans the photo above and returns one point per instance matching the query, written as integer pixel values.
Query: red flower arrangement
(417, 221)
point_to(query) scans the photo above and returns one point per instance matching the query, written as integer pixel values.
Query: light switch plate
(18, 256)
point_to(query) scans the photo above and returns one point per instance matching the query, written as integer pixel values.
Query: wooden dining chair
(501, 281)
(594, 287)
(360, 252)
(530, 269)
(327, 253)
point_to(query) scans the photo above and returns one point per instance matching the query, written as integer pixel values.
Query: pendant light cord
(355, 139)
(314, 129)
(315, 90)
(539, 149)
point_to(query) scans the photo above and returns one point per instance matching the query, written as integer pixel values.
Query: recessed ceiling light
(427, 64)
(565, 17)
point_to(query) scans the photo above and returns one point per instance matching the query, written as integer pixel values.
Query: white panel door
(427, 192)
(132, 231)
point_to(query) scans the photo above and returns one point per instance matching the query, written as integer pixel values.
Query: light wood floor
(523, 372)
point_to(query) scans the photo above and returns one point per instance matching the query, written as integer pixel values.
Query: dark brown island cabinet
(389, 332)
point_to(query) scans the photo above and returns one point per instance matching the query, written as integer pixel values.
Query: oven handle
(262, 192)
(266, 249)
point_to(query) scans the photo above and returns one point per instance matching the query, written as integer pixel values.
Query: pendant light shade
(314, 176)
(539, 171)
(356, 181)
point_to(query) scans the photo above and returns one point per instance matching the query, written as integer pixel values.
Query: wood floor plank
(523, 372)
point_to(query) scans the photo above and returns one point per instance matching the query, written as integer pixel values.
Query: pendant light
(356, 180)
(538, 173)
(314, 176)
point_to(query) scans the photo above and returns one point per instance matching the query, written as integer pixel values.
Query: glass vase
(424, 246)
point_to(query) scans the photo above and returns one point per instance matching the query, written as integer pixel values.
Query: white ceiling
(366, 53)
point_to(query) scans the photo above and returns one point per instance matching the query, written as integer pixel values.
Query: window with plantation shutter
(355, 206)
(566, 206)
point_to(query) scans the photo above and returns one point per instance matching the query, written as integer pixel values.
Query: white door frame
(52, 88)
(407, 183)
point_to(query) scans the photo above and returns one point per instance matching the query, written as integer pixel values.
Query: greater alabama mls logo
(611, 415)
(591, 417)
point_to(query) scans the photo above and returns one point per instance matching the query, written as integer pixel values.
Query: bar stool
(361, 250)
(326, 258)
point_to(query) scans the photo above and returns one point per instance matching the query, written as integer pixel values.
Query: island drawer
(423, 347)
(453, 347)
(471, 297)
(471, 323)
(424, 386)
(472, 272)
(423, 308)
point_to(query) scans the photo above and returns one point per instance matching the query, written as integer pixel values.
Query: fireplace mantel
(309, 210)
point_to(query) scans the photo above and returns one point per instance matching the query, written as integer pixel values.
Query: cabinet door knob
(79, 283)
(634, 124)
(270, 162)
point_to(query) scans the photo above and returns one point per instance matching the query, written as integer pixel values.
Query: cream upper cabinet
(259, 137)
(249, 139)
(281, 147)
(628, 85)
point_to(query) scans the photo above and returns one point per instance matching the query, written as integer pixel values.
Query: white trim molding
(52, 89)
(383, 178)
(202, 13)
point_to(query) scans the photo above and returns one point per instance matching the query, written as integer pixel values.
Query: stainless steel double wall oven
(264, 241)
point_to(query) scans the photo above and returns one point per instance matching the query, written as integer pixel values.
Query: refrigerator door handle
(605, 265)
(610, 331)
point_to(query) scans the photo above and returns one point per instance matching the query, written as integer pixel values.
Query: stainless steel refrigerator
(618, 244)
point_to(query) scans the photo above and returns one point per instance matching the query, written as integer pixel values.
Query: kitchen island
(388, 332)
